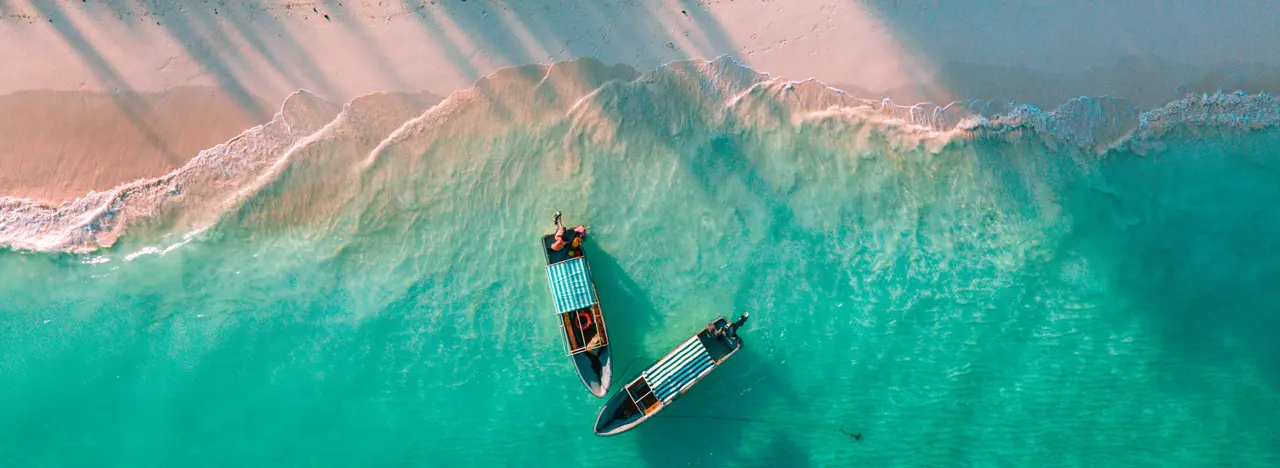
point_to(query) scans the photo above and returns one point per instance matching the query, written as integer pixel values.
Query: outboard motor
(731, 330)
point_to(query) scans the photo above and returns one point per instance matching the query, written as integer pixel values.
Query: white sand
(255, 53)
(268, 49)
(56, 145)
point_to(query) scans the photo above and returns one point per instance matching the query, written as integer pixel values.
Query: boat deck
(557, 256)
(719, 345)
(573, 292)
(579, 337)
(670, 377)
(642, 395)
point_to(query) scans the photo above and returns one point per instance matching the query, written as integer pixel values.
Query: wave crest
(314, 157)
(177, 200)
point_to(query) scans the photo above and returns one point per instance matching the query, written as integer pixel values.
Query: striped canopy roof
(571, 285)
(678, 370)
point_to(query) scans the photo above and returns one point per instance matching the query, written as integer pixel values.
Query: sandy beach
(132, 89)
(56, 145)
(246, 233)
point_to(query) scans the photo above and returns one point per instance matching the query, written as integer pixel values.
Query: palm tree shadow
(1191, 263)
(1178, 238)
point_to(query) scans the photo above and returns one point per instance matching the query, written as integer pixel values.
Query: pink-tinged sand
(251, 54)
(173, 78)
(59, 145)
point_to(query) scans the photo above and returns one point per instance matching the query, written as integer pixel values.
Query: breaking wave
(318, 164)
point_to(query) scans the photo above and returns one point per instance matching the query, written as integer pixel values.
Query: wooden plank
(570, 332)
(599, 323)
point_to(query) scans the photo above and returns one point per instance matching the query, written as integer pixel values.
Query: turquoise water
(1046, 291)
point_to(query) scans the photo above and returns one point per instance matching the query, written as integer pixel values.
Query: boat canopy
(571, 285)
(679, 369)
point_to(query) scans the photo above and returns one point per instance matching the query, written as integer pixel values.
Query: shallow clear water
(1000, 300)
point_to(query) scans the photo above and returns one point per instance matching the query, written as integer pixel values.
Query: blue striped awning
(679, 369)
(571, 285)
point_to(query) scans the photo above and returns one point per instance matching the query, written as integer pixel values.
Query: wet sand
(141, 88)
(59, 145)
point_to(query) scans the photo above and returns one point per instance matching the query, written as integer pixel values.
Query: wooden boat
(670, 377)
(578, 312)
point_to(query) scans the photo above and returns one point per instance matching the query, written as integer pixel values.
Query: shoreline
(261, 51)
(311, 140)
(135, 64)
(61, 145)
(153, 134)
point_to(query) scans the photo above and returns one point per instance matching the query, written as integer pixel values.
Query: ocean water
(982, 284)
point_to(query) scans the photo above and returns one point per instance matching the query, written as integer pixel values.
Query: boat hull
(594, 366)
(642, 399)
(595, 369)
(607, 425)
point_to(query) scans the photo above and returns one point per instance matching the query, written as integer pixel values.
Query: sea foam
(298, 152)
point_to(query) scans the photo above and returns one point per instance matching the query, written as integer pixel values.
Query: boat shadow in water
(631, 313)
(706, 426)
(783, 451)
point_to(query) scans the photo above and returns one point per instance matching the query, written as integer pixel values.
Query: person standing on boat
(580, 233)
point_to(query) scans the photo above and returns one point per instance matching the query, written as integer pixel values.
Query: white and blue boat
(578, 312)
(670, 377)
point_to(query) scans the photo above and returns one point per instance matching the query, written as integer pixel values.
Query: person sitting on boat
(580, 233)
(730, 331)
